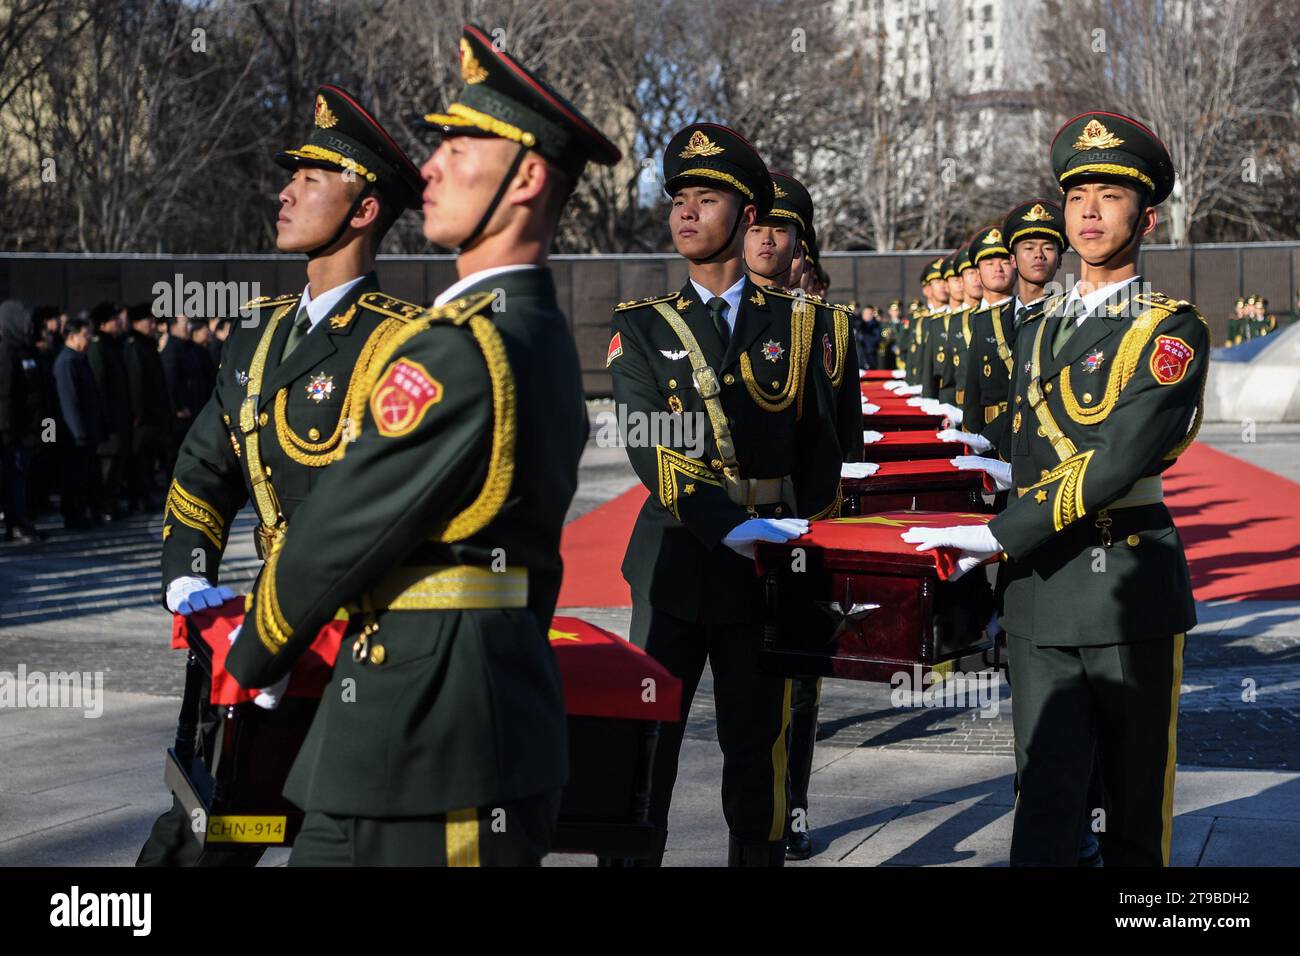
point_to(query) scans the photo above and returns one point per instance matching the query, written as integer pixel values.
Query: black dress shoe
(798, 846)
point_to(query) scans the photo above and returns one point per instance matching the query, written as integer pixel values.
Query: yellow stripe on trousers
(780, 767)
(462, 838)
(1171, 757)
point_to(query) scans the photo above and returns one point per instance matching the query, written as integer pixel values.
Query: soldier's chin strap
(771, 275)
(366, 190)
(740, 215)
(477, 232)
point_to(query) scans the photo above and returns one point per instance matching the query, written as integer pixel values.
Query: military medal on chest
(773, 350)
(241, 377)
(320, 387)
(1092, 361)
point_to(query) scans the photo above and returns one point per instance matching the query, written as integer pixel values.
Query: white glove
(951, 412)
(910, 390)
(868, 437)
(999, 471)
(978, 443)
(975, 542)
(869, 409)
(894, 385)
(185, 595)
(859, 469)
(918, 402)
(268, 698)
(745, 536)
(898, 373)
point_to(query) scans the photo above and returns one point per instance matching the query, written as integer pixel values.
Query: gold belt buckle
(706, 381)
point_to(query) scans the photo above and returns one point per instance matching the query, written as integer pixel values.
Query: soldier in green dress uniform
(769, 245)
(987, 371)
(289, 379)
(744, 362)
(1099, 597)
(441, 738)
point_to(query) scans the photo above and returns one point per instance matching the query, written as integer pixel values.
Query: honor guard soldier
(983, 392)
(745, 362)
(441, 738)
(1099, 598)
(290, 378)
(1236, 323)
(937, 333)
(767, 244)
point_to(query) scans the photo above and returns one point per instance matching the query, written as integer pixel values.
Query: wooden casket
(930, 484)
(913, 444)
(851, 599)
(232, 758)
(896, 415)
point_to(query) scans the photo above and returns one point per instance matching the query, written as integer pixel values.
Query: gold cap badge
(994, 236)
(778, 192)
(471, 70)
(1096, 136)
(700, 145)
(324, 116)
(1037, 214)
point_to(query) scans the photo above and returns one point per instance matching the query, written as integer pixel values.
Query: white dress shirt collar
(1094, 298)
(732, 297)
(474, 278)
(323, 304)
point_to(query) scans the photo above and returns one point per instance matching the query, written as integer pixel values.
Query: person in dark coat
(81, 409)
(19, 392)
(190, 373)
(151, 409)
(866, 335)
(109, 368)
(43, 478)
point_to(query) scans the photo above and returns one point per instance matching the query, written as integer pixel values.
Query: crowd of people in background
(94, 406)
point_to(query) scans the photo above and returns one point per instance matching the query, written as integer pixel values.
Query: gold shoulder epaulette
(390, 306)
(795, 294)
(842, 307)
(1161, 300)
(459, 311)
(648, 300)
(263, 301)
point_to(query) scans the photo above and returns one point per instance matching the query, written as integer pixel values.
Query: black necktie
(1020, 315)
(301, 326)
(718, 313)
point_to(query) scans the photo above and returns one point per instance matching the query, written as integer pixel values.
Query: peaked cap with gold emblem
(1036, 218)
(347, 138)
(1110, 147)
(933, 270)
(791, 201)
(708, 154)
(501, 98)
(987, 242)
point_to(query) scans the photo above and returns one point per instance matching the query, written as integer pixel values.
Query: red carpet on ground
(1240, 524)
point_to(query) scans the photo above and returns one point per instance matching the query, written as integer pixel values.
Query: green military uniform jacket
(933, 352)
(986, 372)
(775, 380)
(468, 430)
(952, 336)
(1089, 434)
(914, 354)
(835, 339)
(297, 419)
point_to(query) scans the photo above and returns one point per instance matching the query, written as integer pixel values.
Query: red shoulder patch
(1170, 359)
(615, 349)
(402, 396)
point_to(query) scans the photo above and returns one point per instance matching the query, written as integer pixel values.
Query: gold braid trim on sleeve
(195, 513)
(673, 463)
(272, 627)
(833, 509)
(1067, 506)
(501, 465)
(841, 320)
